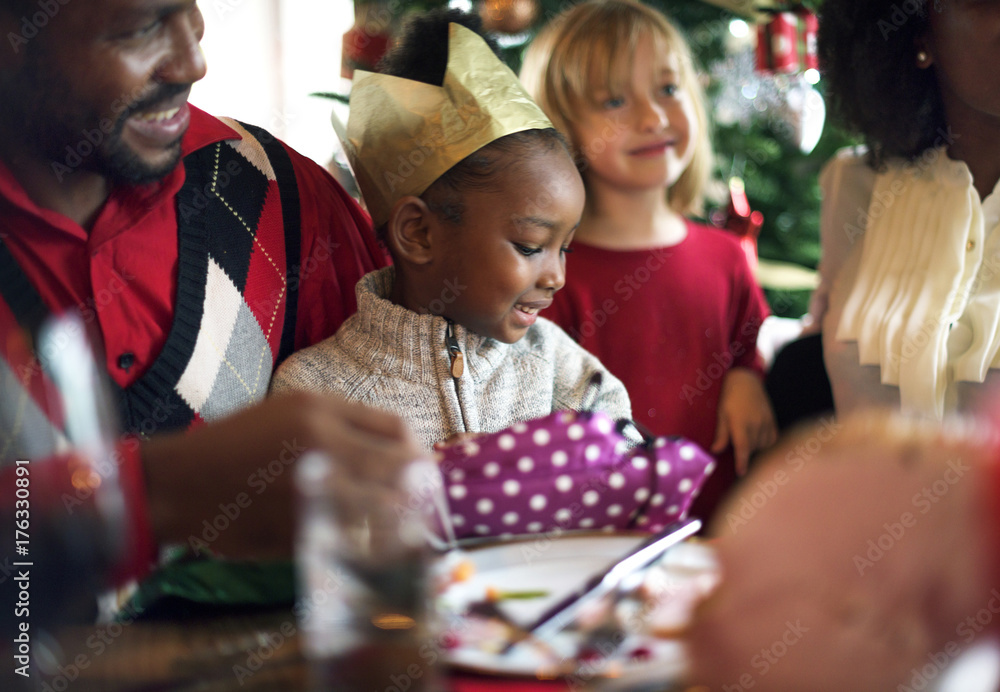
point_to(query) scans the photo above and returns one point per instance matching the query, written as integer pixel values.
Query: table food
(636, 630)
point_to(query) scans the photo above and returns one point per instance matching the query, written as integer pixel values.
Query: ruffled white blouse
(910, 284)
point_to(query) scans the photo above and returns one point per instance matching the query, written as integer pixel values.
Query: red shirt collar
(203, 131)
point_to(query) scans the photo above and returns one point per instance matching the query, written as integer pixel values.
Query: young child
(670, 306)
(477, 198)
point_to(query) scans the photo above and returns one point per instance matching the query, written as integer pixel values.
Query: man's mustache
(163, 93)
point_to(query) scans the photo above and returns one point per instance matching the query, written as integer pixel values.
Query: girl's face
(964, 40)
(639, 134)
(500, 266)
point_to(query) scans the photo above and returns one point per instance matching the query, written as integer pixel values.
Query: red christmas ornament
(362, 49)
(777, 43)
(787, 44)
(367, 41)
(810, 27)
(740, 219)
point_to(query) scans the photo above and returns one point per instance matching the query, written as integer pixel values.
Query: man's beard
(119, 164)
(38, 105)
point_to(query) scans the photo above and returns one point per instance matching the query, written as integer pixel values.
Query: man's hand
(244, 464)
(745, 417)
(852, 555)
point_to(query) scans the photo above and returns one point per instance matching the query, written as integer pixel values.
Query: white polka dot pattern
(569, 471)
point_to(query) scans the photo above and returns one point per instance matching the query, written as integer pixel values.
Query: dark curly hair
(421, 54)
(867, 55)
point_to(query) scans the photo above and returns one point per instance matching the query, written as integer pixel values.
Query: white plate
(556, 566)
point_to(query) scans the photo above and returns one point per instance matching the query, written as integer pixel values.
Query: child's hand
(745, 417)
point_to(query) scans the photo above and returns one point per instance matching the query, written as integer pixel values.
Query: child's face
(496, 270)
(639, 135)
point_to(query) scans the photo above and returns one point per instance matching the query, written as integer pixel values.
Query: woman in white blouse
(909, 301)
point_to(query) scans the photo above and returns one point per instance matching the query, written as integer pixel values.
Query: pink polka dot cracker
(569, 470)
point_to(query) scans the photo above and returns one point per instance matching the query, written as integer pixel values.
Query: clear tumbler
(365, 605)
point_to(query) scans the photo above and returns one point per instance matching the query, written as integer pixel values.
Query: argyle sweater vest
(239, 245)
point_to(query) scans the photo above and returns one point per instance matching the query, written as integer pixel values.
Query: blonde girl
(668, 305)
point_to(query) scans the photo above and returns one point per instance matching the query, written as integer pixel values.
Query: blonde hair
(584, 45)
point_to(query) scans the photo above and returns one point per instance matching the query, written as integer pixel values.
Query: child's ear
(409, 230)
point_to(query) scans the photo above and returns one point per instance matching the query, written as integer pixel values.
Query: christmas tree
(767, 117)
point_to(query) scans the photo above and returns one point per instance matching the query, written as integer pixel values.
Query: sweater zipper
(454, 352)
(457, 367)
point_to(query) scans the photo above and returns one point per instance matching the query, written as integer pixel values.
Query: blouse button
(970, 246)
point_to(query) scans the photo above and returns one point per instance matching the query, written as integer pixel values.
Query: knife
(557, 617)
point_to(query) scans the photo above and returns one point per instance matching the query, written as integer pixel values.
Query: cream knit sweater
(394, 359)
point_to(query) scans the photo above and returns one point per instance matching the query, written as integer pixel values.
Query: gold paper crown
(402, 135)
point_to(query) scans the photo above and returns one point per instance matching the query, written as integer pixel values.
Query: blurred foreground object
(362, 553)
(63, 515)
(871, 541)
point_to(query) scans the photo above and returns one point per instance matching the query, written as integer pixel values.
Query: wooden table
(245, 653)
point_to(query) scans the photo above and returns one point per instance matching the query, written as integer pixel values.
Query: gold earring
(922, 58)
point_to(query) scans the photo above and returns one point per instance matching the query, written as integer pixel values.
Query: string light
(739, 28)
